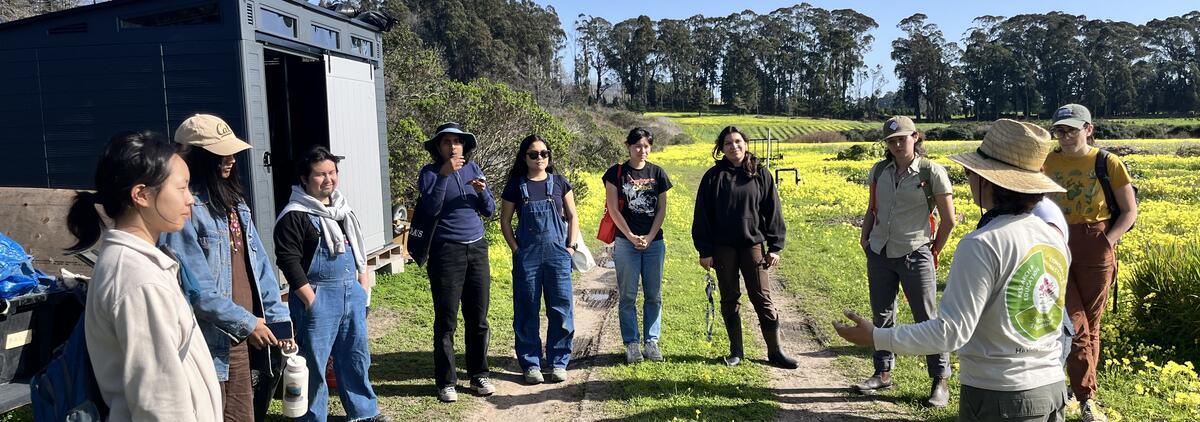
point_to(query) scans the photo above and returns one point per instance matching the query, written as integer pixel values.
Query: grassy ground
(705, 128)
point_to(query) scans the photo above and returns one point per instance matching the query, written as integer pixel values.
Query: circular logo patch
(1034, 296)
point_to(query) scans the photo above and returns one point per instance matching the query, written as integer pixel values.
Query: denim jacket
(203, 247)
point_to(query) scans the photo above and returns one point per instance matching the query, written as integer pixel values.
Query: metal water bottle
(295, 384)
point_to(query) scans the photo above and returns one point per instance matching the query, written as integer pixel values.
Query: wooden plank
(37, 219)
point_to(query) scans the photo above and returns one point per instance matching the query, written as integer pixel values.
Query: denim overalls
(542, 263)
(336, 324)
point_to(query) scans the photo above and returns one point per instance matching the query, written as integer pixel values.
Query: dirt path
(816, 391)
(575, 399)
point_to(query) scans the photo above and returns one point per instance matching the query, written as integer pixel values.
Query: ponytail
(750, 164)
(84, 221)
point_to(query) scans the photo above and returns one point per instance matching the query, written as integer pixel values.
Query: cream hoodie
(148, 354)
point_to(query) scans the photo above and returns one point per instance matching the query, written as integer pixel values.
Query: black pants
(459, 273)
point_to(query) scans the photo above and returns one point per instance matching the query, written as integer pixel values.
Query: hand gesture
(861, 333)
(479, 184)
(706, 263)
(262, 336)
(453, 164)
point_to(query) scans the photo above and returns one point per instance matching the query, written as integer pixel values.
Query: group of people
(185, 305)
(1036, 269)
(184, 318)
(738, 229)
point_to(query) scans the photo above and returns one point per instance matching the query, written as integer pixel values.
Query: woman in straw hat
(1003, 304)
(902, 247)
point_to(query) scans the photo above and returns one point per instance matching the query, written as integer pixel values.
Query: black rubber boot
(733, 327)
(774, 353)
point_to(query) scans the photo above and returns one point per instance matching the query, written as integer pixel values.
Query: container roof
(112, 4)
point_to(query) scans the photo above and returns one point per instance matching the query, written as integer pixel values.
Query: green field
(705, 128)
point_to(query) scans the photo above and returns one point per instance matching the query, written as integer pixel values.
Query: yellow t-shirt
(1083, 201)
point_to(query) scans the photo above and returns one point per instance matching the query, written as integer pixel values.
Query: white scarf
(331, 231)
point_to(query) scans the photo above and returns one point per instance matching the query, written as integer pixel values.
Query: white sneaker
(632, 354)
(448, 394)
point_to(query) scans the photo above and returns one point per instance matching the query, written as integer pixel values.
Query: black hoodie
(735, 209)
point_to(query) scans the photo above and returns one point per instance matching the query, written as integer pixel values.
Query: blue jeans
(541, 264)
(335, 326)
(645, 266)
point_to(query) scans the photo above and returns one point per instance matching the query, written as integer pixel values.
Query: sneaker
(533, 375)
(632, 354)
(558, 375)
(1092, 412)
(378, 418)
(447, 394)
(651, 352)
(483, 386)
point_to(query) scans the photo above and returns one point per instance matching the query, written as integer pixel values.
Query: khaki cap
(211, 133)
(898, 126)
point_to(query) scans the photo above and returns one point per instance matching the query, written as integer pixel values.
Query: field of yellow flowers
(825, 269)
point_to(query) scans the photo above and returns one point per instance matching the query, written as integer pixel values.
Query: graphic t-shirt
(639, 188)
(1083, 202)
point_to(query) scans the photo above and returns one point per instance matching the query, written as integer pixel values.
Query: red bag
(608, 229)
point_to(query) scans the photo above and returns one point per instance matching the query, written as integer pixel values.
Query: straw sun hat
(1011, 155)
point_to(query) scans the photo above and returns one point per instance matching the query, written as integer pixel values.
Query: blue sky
(953, 17)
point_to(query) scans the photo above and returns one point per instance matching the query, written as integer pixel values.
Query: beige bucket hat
(1011, 155)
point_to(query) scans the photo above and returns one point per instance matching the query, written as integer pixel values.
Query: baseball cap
(898, 126)
(1073, 115)
(211, 133)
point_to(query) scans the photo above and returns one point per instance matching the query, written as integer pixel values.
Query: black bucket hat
(468, 139)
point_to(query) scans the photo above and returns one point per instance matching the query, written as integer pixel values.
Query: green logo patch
(1035, 294)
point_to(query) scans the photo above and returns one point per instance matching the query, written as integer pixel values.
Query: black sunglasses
(533, 155)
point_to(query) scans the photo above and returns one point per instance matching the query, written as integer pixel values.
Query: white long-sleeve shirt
(149, 356)
(1002, 309)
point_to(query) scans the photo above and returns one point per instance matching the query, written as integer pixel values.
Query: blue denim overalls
(542, 264)
(336, 324)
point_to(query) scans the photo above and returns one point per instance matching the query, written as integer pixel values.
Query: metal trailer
(285, 74)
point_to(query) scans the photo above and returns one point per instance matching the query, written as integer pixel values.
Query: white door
(354, 134)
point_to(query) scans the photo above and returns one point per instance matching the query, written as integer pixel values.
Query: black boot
(775, 354)
(733, 327)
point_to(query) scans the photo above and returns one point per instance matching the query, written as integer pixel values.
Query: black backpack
(1110, 199)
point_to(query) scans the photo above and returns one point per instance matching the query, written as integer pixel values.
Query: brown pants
(1093, 269)
(729, 262)
(239, 396)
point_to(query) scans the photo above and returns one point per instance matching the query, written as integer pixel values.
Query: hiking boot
(733, 327)
(448, 394)
(632, 353)
(483, 386)
(651, 351)
(882, 380)
(533, 375)
(1092, 412)
(557, 375)
(775, 354)
(939, 393)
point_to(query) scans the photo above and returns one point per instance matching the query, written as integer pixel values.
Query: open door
(354, 134)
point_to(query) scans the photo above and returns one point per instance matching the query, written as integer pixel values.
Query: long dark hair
(519, 169)
(749, 162)
(223, 194)
(636, 134)
(129, 159)
(918, 148)
(1008, 201)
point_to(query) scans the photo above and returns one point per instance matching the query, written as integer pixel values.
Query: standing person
(147, 350)
(542, 247)
(1094, 233)
(454, 190)
(1003, 305)
(638, 249)
(901, 246)
(737, 212)
(239, 294)
(319, 248)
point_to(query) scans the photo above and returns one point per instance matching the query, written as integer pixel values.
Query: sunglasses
(533, 155)
(1062, 131)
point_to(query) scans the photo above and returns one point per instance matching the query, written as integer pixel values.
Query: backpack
(1110, 199)
(66, 389)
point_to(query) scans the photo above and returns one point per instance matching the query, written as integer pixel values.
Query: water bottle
(295, 384)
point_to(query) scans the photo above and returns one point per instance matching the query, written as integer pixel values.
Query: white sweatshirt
(149, 356)
(1002, 309)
